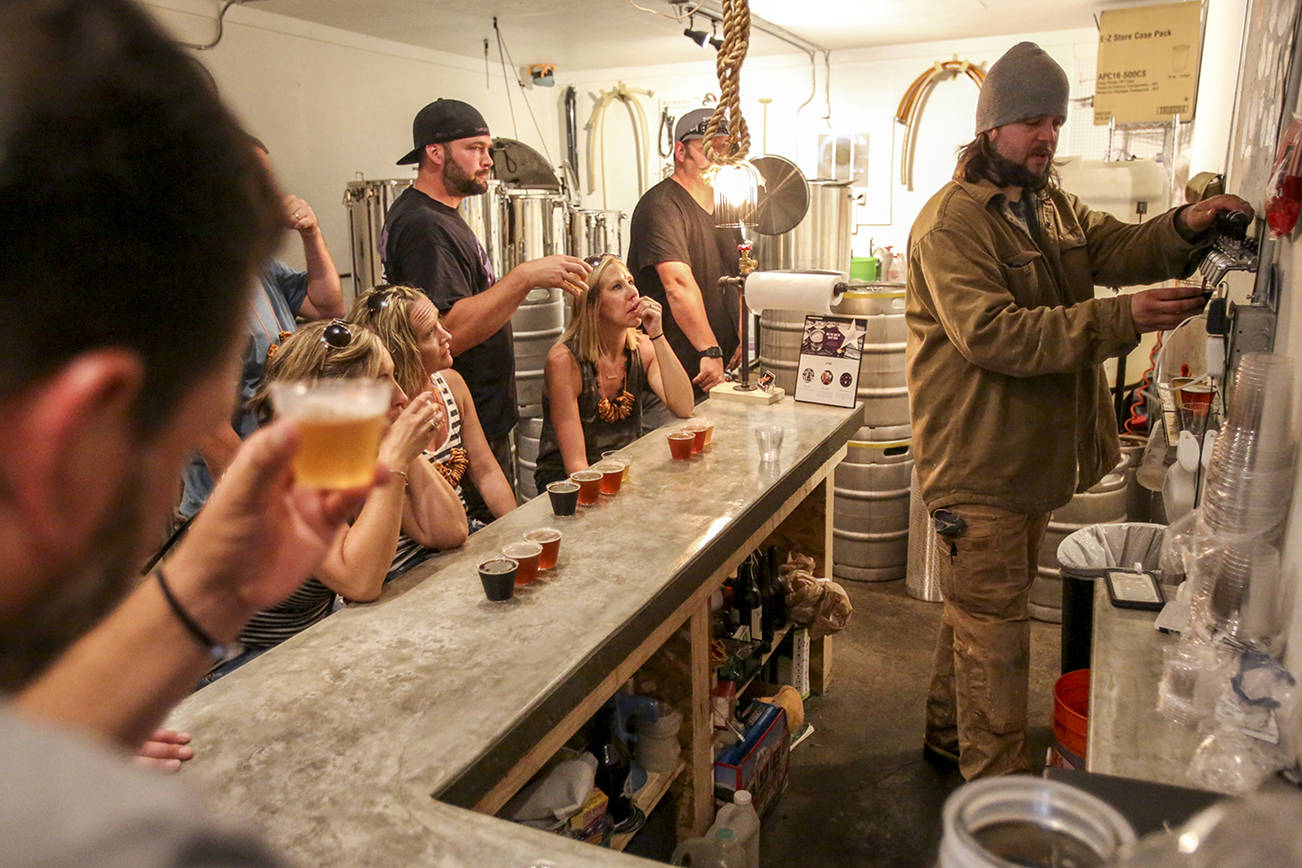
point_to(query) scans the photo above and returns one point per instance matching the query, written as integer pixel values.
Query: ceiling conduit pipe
(221, 17)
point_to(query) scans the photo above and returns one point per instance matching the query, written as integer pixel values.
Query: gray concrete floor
(860, 792)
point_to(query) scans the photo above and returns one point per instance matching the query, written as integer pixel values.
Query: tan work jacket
(1008, 401)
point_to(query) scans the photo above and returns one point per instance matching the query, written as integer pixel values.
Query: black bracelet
(657, 337)
(216, 649)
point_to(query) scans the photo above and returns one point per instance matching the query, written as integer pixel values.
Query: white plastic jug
(719, 850)
(740, 817)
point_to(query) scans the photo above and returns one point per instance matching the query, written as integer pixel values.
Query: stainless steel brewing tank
(870, 506)
(535, 225)
(879, 307)
(367, 202)
(819, 242)
(485, 216)
(594, 232)
(1105, 503)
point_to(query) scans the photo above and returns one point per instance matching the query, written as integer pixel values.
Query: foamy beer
(340, 424)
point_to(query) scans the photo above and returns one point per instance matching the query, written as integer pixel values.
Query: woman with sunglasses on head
(601, 373)
(408, 324)
(405, 518)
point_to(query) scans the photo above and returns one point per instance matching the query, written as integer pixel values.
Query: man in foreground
(121, 170)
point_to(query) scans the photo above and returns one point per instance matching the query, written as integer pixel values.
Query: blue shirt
(282, 293)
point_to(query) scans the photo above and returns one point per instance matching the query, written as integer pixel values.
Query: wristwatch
(711, 353)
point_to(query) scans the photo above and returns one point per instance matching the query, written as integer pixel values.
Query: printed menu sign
(1148, 64)
(828, 372)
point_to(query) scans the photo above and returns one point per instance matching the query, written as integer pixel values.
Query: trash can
(1085, 556)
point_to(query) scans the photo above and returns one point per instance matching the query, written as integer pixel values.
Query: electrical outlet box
(1252, 330)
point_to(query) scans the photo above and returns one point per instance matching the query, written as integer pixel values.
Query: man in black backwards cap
(426, 244)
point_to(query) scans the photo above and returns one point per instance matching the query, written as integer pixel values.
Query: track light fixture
(697, 36)
(714, 35)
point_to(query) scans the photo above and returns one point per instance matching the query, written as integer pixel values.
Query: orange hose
(1139, 402)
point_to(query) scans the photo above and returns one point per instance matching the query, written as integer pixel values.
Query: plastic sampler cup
(550, 540)
(589, 481)
(340, 424)
(612, 476)
(769, 440)
(564, 496)
(615, 455)
(527, 556)
(681, 444)
(498, 578)
(698, 430)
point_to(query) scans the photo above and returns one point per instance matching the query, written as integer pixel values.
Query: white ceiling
(593, 34)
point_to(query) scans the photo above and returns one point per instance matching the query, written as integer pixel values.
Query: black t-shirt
(427, 245)
(669, 226)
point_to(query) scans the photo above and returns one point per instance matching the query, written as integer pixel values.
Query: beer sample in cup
(697, 430)
(612, 475)
(704, 424)
(550, 540)
(498, 578)
(680, 444)
(564, 496)
(526, 554)
(340, 424)
(616, 455)
(589, 485)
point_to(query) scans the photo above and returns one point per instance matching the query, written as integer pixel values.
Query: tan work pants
(978, 686)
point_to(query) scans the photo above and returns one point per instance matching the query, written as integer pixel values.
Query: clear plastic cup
(589, 481)
(550, 540)
(612, 476)
(340, 424)
(769, 440)
(616, 455)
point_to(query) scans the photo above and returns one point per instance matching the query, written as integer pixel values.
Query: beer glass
(340, 424)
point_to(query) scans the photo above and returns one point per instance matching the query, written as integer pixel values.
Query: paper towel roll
(805, 291)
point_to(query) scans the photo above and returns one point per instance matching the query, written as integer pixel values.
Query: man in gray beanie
(1010, 407)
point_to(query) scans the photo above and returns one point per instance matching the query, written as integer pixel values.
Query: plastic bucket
(1071, 704)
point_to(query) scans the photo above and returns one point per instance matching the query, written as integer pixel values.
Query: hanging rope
(736, 41)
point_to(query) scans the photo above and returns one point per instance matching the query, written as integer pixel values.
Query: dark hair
(978, 160)
(133, 212)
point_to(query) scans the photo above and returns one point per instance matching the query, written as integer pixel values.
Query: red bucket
(1071, 704)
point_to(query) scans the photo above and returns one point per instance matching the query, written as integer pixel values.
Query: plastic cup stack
(1245, 499)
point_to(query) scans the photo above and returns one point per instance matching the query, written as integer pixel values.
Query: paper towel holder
(744, 389)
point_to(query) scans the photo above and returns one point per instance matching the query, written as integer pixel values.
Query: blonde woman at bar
(405, 519)
(599, 375)
(409, 325)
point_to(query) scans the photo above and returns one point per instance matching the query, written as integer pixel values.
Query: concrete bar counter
(336, 744)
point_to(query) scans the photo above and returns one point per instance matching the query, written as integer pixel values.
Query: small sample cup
(589, 481)
(616, 455)
(698, 432)
(550, 540)
(612, 475)
(680, 444)
(564, 496)
(526, 555)
(498, 578)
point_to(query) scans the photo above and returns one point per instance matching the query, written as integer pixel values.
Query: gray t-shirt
(68, 801)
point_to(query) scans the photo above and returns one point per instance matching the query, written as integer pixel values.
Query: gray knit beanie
(1024, 83)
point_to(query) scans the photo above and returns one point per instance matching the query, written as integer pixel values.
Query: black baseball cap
(692, 125)
(443, 120)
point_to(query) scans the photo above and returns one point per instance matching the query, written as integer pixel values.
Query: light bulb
(736, 193)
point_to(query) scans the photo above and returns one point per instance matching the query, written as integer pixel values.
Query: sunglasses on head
(594, 261)
(379, 299)
(337, 335)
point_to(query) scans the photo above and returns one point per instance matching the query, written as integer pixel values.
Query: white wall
(866, 87)
(331, 104)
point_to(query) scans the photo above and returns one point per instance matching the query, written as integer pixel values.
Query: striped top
(311, 602)
(444, 391)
